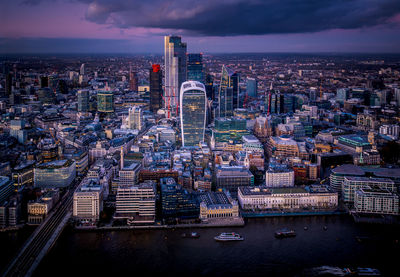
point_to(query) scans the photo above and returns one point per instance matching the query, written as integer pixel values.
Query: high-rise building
(175, 72)
(226, 102)
(83, 100)
(9, 81)
(228, 92)
(105, 101)
(195, 68)
(135, 118)
(193, 112)
(155, 88)
(210, 87)
(342, 94)
(251, 87)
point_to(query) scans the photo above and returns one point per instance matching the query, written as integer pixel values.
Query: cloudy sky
(138, 26)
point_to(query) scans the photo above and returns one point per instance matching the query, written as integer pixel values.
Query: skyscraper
(210, 87)
(195, 68)
(192, 112)
(83, 100)
(251, 87)
(155, 88)
(133, 80)
(82, 69)
(105, 101)
(9, 81)
(175, 72)
(229, 79)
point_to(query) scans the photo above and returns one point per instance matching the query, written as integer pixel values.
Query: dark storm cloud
(243, 17)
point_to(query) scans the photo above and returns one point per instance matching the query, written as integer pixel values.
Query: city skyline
(266, 26)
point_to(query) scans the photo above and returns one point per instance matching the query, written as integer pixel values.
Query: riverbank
(212, 223)
(294, 213)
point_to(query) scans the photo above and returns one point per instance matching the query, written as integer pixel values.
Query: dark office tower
(62, 87)
(44, 82)
(155, 88)
(195, 68)
(83, 100)
(175, 72)
(288, 103)
(209, 87)
(9, 81)
(229, 78)
(133, 81)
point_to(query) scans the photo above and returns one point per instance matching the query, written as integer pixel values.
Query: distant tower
(192, 112)
(82, 70)
(175, 72)
(83, 100)
(195, 68)
(133, 80)
(228, 96)
(9, 81)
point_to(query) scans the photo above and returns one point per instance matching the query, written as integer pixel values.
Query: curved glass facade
(193, 113)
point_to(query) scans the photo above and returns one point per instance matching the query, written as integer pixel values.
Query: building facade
(56, 174)
(263, 198)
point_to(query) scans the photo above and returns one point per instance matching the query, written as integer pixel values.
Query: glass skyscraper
(83, 100)
(195, 68)
(105, 101)
(192, 112)
(175, 72)
(251, 87)
(228, 99)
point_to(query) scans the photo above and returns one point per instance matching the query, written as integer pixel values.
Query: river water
(313, 252)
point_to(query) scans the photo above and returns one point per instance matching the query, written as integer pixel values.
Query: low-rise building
(373, 200)
(217, 205)
(232, 177)
(88, 201)
(137, 203)
(263, 198)
(351, 184)
(55, 174)
(279, 177)
(38, 210)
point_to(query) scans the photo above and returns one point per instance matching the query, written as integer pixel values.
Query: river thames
(313, 252)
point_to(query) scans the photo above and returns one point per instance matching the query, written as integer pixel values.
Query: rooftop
(349, 169)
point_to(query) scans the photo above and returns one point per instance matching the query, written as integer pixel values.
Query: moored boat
(285, 233)
(193, 235)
